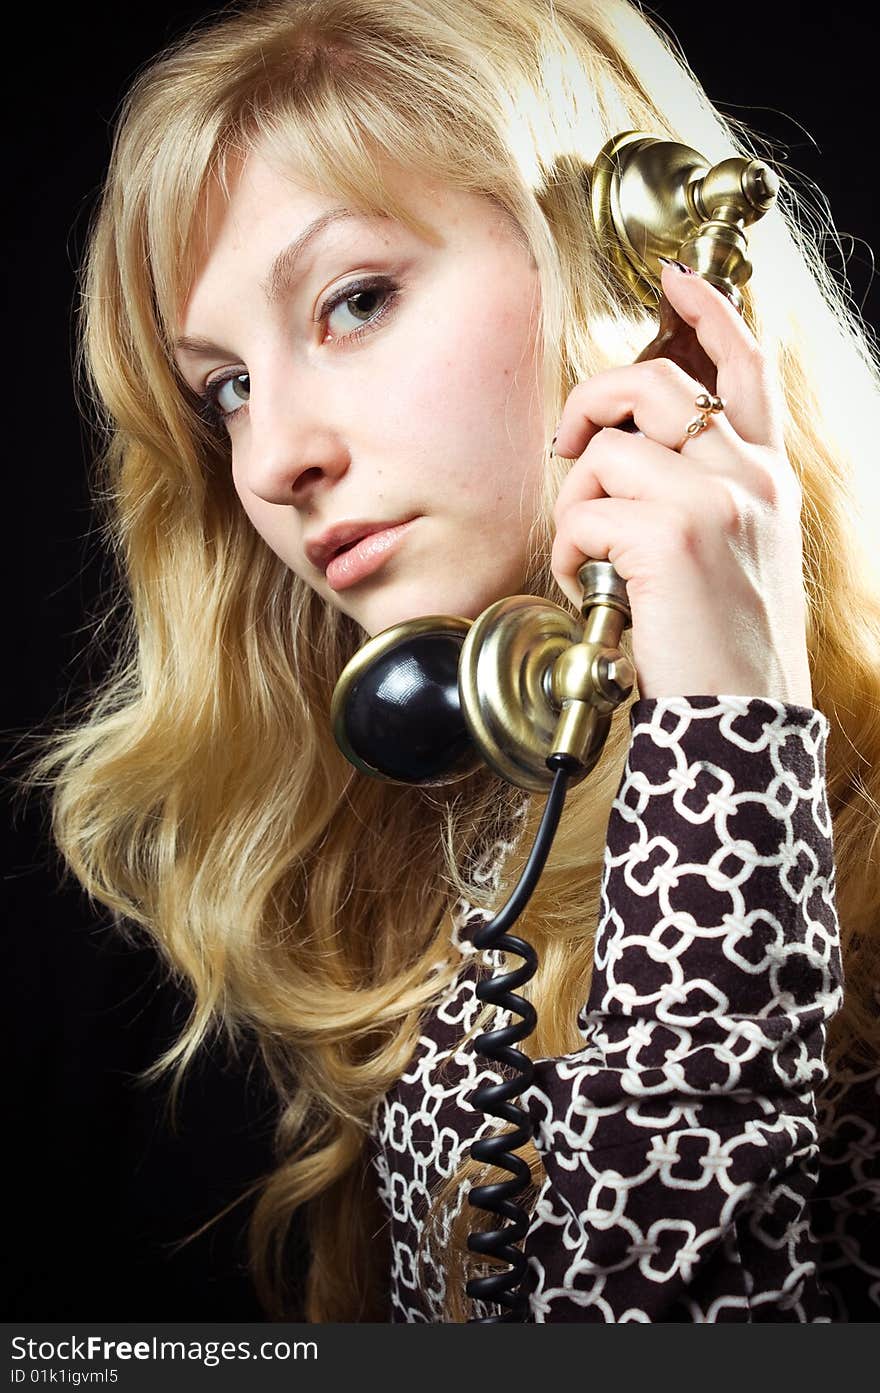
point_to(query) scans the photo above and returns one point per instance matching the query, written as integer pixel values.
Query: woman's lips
(365, 557)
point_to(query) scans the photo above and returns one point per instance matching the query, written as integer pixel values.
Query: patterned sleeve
(680, 1143)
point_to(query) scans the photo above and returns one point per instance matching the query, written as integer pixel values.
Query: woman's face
(415, 397)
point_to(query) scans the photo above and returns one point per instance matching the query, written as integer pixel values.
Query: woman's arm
(681, 1144)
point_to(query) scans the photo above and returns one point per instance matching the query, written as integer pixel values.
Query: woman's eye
(229, 394)
(364, 304)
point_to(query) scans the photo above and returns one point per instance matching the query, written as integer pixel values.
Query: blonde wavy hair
(199, 792)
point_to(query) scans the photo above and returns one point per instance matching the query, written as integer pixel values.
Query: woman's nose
(295, 479)
(288, 461)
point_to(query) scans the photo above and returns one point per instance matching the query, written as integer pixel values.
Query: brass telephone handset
(525, 688)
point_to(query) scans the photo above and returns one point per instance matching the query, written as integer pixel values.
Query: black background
(101, 1187)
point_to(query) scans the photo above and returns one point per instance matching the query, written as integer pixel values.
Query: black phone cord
(503, 1287)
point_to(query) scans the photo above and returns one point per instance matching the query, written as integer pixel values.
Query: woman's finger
(638, 538)
(745, 383)
(621, 465)
(659, 396)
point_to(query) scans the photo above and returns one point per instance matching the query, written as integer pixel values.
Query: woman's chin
(384, 611)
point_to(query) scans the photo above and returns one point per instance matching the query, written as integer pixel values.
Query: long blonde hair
(199, 793)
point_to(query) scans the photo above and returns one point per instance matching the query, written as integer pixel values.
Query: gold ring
(706, 405)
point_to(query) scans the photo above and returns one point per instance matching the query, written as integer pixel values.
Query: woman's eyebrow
(281, 273)
(283, 268)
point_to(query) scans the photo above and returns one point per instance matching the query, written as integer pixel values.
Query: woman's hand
(708, 538)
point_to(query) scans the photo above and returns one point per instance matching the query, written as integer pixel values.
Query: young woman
(344, 281)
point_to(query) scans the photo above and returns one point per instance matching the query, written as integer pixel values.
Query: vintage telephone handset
(525, 688)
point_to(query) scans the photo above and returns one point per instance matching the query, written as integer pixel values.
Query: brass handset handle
(645, 195)
(651, 197)
(433, 699)
(590, 679)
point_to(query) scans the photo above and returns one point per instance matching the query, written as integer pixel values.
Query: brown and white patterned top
(701, 1164)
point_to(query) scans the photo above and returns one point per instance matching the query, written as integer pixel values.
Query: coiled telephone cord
(505, 1287)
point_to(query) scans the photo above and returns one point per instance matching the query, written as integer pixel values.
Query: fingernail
(679, 265)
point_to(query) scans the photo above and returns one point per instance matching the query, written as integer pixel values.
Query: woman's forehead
(277, 200)
(244, 179)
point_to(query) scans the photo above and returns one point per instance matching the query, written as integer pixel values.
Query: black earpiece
(396, 710)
